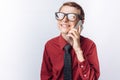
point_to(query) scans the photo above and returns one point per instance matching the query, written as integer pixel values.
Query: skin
(69, 33)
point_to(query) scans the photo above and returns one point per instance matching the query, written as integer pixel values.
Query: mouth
(65, 25)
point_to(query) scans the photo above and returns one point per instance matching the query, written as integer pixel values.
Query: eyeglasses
(70, 16)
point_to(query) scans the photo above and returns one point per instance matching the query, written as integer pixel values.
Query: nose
(65, 19)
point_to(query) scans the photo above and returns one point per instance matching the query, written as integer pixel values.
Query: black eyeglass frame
(66, 14)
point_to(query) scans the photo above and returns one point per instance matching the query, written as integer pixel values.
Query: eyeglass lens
(70, 16)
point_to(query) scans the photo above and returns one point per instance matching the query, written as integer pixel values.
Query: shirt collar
(62, 42)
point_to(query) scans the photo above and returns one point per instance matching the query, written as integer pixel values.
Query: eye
(59, 16)
(72, 17)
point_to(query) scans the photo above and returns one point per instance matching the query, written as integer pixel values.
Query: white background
(26, 25)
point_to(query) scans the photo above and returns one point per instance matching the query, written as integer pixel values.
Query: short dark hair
(74, 4)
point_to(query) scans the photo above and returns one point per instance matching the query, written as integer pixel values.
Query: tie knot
(67, 47)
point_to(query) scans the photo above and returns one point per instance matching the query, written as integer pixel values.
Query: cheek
(73, 25)
(58, 24)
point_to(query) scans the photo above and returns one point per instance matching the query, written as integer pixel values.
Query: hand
(74, 34)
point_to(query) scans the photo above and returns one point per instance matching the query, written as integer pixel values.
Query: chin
(64, 32)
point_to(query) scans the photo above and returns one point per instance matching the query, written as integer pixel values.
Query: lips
(64, 28)
(65, 25)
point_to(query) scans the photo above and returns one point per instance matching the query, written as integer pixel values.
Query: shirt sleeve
(46, 68)
(89, 69)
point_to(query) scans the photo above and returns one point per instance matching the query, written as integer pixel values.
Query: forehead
(69, 9)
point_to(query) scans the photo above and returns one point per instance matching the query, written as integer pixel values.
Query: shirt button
(81, 66)
(85, 75)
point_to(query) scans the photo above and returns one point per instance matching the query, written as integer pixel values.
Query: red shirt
(53, 60)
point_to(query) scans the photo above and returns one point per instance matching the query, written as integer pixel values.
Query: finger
(74, 29)
(77, 30)
(70, 35)
(74, 33)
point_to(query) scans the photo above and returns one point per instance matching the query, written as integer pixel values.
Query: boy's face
(65, 24)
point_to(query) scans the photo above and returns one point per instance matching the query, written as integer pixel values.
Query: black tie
(67, 63)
